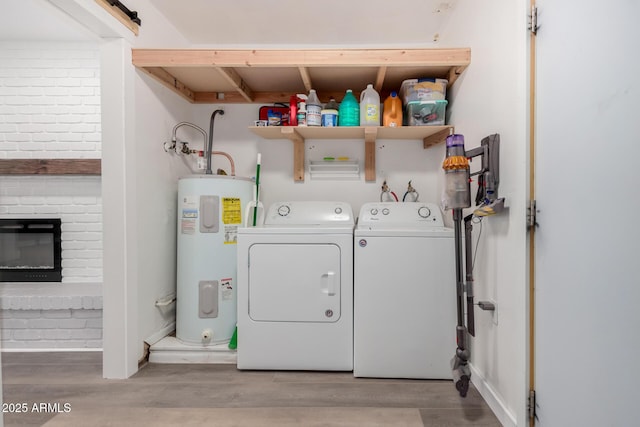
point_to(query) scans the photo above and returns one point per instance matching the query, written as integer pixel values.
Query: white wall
(491, 97)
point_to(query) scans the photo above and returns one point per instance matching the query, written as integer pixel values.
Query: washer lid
(310, 214)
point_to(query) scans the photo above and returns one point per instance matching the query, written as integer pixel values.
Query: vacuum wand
(457, 196)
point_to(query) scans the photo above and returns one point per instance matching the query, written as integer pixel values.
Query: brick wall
(49, 100)
(50, 108)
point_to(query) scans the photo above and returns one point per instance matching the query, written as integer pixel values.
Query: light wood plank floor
(71, 384)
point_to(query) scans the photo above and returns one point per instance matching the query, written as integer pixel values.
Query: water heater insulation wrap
(210, 210)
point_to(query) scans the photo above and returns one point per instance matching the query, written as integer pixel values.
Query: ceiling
(297, 22)
(408, 23)
(37, 20)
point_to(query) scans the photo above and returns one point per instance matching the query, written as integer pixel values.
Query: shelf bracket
(292, 134)
(370, 135)
(437, 138)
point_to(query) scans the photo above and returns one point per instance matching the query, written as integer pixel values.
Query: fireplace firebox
(30, 250)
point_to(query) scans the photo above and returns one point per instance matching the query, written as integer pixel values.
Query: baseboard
(494, 401)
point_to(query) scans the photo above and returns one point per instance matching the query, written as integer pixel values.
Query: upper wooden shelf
(267, 76)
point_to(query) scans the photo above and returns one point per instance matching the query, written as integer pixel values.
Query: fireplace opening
(30, 250)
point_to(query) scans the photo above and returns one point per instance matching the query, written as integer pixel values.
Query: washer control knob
(424, 212)
(338, 210)
(374, 211)
(385, 211)
(284, 210)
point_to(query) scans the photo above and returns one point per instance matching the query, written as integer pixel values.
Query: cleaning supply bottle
(302, 114)
(314, 109)
(369, 107)
(392, 111)
(293, 110)
(349, 111)
(330, 113)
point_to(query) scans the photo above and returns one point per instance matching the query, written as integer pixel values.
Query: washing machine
(295, 288)
(404, 292)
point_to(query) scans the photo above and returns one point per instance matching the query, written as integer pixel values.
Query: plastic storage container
(424, 89)
(426, 113)
(392, 111)
(349, 111)
(369, 107)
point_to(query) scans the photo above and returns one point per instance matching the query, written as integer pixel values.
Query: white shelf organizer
(342, 170)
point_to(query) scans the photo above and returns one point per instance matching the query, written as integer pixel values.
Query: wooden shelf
(50, 167)
(430, 135)
(267, 76)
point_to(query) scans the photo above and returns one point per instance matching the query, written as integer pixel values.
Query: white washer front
(404, 292)
(295, 289)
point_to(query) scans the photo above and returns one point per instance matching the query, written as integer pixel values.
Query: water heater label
(226, 289)
(189, 215)
(230, 234)
(231, 210)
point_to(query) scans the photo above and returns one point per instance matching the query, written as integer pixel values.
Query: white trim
(492, 398)
(157, 336)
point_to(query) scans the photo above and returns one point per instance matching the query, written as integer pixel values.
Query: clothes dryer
(404, 292)
(295, 288)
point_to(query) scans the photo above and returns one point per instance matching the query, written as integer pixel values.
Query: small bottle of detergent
(369, 107)
(392, 111)
(314, 109)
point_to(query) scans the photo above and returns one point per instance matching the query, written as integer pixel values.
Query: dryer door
(294, 282)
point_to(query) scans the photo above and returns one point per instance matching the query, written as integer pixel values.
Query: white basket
(334, 169)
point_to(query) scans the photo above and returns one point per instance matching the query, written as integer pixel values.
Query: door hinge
(532, 220)
(531, 405)
(533, 20)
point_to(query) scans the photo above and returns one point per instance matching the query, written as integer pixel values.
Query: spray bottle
(301, 117)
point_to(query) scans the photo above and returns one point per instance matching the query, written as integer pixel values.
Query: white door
(588, 241)
(294, 282)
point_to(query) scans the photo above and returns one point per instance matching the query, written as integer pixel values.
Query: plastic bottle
(369, 107)
(314, 109)
(349, 111)
(302, 114)
(392, 111)
(330, 113)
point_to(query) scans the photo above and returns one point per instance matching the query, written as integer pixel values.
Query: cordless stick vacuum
(457, 196)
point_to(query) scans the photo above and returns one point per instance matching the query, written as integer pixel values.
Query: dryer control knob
(284, 210)
(385, 211)
(338, 210)
(374, 211)
(424, 212)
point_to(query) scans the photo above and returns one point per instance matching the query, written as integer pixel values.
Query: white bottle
(302, 114)
(369, 107)
(314, 109)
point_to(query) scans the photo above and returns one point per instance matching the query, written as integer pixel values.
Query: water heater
(210, 210)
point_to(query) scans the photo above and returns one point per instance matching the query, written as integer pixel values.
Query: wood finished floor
(220, 395)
